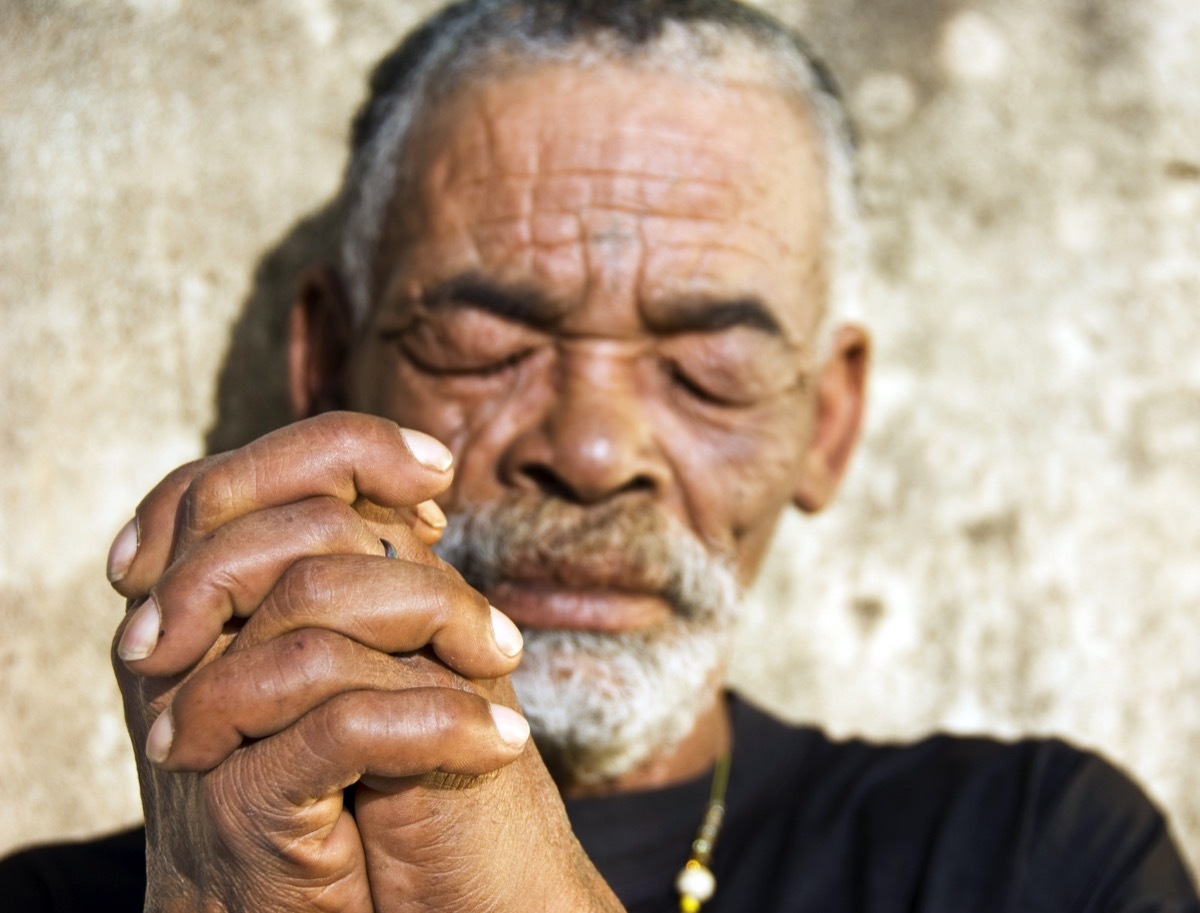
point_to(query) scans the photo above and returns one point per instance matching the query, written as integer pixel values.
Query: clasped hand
(274, 662)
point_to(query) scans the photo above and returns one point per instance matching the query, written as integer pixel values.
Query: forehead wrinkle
(519, 193)
(639, 150)
(620, 188)
(577, 193)
(672, 178)
(728, 204)
(672, 230)
(501, 239)
(537, 212)
(709, 249)
(645, 151)
(684, 196)
(552, 228)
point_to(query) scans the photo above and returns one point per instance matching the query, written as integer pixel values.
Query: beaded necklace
(695, 882)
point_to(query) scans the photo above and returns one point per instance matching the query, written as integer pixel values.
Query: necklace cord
(695, 882)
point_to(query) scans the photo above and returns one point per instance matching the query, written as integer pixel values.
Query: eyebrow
(521, 303)
(707, 315)
(530, 305)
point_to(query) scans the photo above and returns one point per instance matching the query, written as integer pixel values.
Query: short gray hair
(474, 39)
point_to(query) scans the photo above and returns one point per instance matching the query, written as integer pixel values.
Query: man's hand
(273, 657)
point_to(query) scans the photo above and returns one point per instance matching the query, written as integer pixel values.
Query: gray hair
(713, 39)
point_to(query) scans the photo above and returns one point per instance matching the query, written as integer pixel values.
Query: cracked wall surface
(1016, 548)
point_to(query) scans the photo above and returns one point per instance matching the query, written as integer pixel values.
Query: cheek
(475, 424)
(736, 476)
(481, 434)
(379, 386)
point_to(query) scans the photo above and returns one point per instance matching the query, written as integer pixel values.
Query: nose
(594, 439)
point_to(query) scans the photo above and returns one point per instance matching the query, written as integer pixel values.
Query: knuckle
(444, 717)
(162, 496)
(340, 432)
(192, 592)
(306, 582)
(352, 433)
(457, 611)
(226, 585)
(338, 724)
(331, 523)
(212, 494)
(172, 484)
(447, 711)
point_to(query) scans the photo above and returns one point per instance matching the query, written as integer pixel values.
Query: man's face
(602, 294)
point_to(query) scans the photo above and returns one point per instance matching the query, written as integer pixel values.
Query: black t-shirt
(948, 825)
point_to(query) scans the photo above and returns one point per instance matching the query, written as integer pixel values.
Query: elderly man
(591, 315)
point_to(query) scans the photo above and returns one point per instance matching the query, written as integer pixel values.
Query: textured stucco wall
(1016, 549)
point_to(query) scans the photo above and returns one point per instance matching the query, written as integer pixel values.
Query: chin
(627, 617)
(601, 704)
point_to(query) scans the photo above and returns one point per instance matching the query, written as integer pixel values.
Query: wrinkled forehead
(714, 182)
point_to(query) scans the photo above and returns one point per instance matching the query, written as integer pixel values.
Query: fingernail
(508, 637)
(162, 734)
(431, 514)
(141, 633)
(513, 727)
(429, 451)
(122, 552)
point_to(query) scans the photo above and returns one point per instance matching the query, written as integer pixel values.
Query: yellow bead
(689, 905)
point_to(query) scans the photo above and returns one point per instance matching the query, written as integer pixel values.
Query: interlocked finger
(260, 691)
(353, 458)
(390, 606)
(382, 734)
(231, 571)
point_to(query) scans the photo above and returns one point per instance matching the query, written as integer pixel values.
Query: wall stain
(1180, 170)
(868, 611)
(1000, 531)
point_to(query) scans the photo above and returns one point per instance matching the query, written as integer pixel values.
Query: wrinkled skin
(605, 288)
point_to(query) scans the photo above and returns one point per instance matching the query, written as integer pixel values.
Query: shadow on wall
(252, 394)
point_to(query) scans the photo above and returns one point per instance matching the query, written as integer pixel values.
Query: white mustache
(633, 548)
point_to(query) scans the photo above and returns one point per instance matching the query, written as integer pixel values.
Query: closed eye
(689, 385)
(442, 366)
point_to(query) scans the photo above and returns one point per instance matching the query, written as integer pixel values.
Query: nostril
(641, 483)
(549, 482)
(554, 485)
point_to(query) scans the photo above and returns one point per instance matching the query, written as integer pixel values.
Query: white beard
(599, 703)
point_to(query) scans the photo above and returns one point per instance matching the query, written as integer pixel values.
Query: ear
(319, 342)
(841, 396)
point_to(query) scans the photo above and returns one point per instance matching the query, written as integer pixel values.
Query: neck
(709, 739)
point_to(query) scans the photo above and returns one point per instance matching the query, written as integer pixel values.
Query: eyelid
(437, 345)
(485, 369)
(682, 378)
(728, 392)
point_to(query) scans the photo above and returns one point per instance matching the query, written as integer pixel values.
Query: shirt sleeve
(1097, 844)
